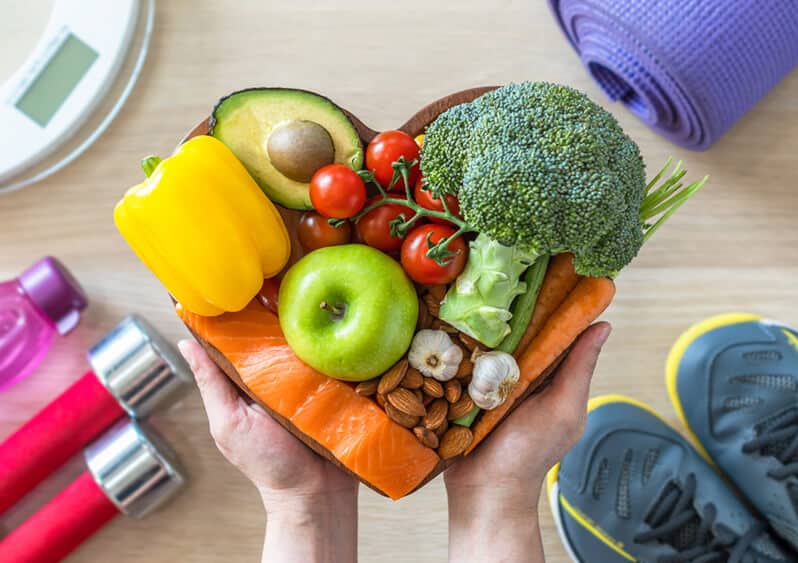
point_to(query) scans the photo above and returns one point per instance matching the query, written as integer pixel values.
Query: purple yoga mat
(688, 68)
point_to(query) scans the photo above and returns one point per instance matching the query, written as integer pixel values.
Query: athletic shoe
(733, 380)
(632, 489)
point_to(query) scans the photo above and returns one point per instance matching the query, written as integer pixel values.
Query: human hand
(304, 495)
(493, 493)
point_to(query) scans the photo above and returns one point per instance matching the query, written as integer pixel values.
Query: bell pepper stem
(149, 164)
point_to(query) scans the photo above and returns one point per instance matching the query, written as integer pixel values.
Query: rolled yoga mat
(688, 68)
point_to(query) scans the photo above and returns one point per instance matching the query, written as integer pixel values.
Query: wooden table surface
(735, 247)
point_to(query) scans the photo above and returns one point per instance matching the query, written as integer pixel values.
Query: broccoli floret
(540, 167)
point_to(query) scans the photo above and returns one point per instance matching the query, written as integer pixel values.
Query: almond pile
(423, 404)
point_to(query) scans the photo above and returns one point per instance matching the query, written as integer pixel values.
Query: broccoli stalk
(479, 301)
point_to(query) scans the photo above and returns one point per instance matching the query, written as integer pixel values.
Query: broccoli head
(540, 168)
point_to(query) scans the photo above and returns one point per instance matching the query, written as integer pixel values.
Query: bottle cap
(139, 367)
(134, 468)
(55, 291)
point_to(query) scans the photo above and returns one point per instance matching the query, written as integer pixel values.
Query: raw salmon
(353, 428)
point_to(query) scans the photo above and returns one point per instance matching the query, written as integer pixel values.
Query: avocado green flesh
(244, 121)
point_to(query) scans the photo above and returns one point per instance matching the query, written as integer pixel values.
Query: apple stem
(336, 312)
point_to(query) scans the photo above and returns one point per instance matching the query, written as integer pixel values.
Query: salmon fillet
(353, 428)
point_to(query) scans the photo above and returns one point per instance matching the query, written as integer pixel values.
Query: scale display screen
(56, 80)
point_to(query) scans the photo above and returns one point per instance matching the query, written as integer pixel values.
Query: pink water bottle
(42, 302)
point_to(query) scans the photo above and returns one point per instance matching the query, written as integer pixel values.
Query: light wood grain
(734, 248)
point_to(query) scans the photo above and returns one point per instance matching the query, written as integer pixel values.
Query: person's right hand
(311, 505)
(493, 493)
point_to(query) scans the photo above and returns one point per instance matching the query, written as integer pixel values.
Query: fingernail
(604, 333)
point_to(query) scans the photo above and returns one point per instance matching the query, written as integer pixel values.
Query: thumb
(218, 394)
(572, 380)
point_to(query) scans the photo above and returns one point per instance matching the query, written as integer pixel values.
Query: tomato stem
(439, 251)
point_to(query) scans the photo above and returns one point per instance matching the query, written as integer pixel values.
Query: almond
(452, 391)
(432, 387)
(469, 342)
(461, 408)
(433, 304)
(438, 324)
(466, 367)
(367, 388)
(418, 393)
(424, 318)
(381, 400)
(442, 429)
(427, 400)
(436, 414)
(406, 401)
(455, 442)
(401, 418)
(426, 437)
(390, 379)
(413, 379)
(437, 291)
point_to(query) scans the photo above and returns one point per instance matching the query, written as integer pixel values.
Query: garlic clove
(495, 375)
(433, 353)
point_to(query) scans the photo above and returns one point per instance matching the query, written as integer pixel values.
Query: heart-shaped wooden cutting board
(384, 471)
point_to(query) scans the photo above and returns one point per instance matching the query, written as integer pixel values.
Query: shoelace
(783, 435)
(675, 512)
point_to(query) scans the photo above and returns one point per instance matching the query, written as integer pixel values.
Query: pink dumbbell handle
(59, 431)
(61, 525)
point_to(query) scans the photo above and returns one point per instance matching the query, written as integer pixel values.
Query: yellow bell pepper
(203, 226)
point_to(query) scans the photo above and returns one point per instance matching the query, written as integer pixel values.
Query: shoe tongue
(684, 537)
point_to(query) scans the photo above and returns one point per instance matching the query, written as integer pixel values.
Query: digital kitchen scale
(71, 85)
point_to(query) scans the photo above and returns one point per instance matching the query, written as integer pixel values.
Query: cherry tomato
(374, 227)
(425, 270)
(337, 191)
(268, 294)
(314, 231)
(426, 200)
(384, 150)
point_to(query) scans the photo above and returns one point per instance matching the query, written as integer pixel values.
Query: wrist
(498, 522)
(310, 527)
(286, 504)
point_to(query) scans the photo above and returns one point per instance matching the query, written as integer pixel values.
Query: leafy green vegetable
(524, 305)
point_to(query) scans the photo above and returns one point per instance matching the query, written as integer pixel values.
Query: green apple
(348, 311)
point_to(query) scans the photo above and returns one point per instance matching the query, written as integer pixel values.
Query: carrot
(559, 281)
(582, 306)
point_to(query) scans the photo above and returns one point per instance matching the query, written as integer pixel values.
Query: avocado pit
(298, 148)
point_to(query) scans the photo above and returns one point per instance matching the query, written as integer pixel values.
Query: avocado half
(309, 131)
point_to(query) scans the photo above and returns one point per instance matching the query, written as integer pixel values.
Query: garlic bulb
(434, 354)
(495, 375)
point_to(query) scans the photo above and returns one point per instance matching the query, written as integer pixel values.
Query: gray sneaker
(632, 489)
(733, 380)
